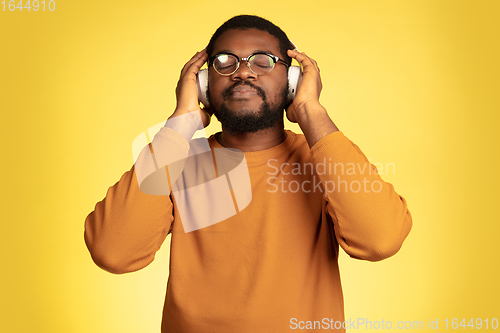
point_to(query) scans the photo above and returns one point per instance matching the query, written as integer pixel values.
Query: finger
(195, 66)
(187, 64)
(194, 58)
(198, 59)
(309, 66)
(304, 59)
(297, 55)
(315, 64)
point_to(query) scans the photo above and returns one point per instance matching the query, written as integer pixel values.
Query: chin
(248, 121)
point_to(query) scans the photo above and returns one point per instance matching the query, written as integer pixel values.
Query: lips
(243, 91)
(243, 88)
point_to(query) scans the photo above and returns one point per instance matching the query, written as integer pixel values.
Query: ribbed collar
(261, 156)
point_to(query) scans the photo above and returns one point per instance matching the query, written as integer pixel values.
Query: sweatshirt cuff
(186, 124)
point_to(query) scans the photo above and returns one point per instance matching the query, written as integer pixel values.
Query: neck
(247, 142)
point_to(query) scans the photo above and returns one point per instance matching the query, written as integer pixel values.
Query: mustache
(227, 92)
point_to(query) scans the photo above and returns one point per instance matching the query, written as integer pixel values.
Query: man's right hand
(186, 91)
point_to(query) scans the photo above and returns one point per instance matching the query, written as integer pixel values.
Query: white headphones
(294, 78)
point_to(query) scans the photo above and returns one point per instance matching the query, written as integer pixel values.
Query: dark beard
(244, 121)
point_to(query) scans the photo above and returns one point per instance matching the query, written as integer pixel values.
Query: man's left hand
(306, 109)
(310, 87)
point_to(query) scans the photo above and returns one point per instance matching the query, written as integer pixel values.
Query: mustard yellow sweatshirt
(273, 266)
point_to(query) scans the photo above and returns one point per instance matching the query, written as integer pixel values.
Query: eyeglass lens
(259, 63)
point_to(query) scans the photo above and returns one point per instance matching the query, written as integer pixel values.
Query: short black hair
(245, 22)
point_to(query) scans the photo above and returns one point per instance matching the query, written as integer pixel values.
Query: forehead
(245, 42)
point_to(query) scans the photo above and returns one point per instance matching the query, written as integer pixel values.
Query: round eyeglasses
(260, 63)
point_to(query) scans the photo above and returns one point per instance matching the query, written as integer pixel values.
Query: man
(272, 266)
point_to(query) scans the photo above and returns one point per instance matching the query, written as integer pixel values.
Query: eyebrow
(254, 51)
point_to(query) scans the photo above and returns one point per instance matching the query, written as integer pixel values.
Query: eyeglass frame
(272, 56)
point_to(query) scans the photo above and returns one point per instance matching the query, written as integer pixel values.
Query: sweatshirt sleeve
(129, 225)
(370, 219)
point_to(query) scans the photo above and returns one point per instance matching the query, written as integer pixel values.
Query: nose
(243, 72)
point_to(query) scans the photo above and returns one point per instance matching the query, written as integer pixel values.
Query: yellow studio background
(414, 83)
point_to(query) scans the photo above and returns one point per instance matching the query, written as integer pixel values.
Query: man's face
(244, 101)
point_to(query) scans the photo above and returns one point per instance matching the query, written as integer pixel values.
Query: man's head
(245, 22)
(244, 101)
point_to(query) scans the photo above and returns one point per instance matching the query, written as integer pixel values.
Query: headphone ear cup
(294, 78)
(202, 84)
